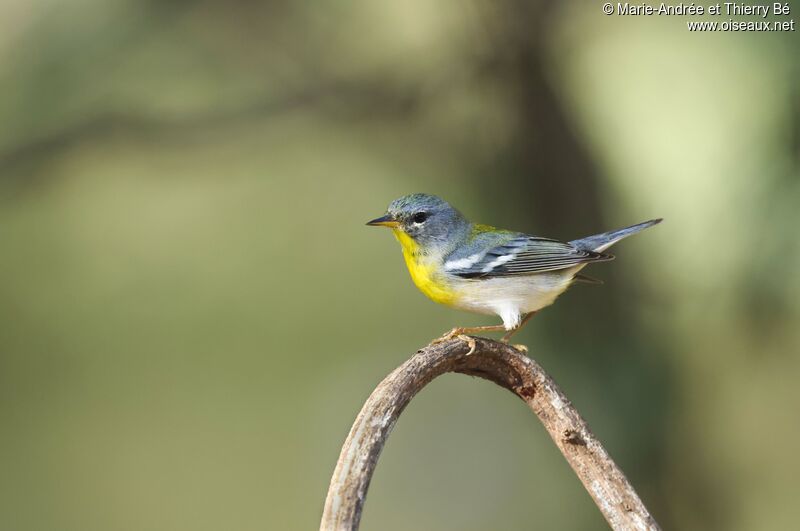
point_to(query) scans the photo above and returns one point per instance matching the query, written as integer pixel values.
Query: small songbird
(486, 270)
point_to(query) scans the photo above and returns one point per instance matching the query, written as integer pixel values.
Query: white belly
(512, 297)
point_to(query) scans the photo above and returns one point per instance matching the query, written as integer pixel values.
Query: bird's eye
(419, 217)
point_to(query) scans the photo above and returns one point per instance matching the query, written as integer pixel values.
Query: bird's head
(428, 220)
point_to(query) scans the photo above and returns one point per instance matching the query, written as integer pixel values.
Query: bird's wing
(500, 255)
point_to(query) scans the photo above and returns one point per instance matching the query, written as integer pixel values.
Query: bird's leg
(461, 331)
(517, 328)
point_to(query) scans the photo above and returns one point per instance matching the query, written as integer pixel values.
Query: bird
(486, 270)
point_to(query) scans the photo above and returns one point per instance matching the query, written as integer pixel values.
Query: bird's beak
(384, 221)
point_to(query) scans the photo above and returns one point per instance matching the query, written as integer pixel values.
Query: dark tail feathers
(600, 242)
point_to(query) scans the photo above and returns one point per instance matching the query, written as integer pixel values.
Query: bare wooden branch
(509, 368)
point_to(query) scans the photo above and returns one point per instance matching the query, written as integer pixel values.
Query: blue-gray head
(427, 219)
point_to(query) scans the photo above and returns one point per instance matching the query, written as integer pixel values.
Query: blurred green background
(193, 312)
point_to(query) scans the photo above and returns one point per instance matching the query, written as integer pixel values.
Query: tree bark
(508, 368)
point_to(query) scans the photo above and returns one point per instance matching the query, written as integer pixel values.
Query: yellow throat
(424, 273)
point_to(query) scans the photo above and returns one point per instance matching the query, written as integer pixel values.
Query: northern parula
(486, 270)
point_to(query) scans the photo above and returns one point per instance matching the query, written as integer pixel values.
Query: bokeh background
(192, 312)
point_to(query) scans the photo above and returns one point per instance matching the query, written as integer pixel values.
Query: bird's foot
(458, 333)
(521, 348)
(460, 330)
(452, 334)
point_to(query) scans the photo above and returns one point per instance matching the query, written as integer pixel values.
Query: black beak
(383, 221)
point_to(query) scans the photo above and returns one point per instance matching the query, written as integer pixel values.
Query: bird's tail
(600, 242)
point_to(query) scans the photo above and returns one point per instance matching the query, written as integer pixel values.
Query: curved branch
(508, 368)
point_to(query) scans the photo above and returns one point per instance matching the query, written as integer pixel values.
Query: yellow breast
(424, 273)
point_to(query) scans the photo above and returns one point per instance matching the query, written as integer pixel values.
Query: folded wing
(517, 254)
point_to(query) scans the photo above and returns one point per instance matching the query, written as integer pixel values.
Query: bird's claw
(457, 333)
(452, 334)
(469, 341)
(521, 348)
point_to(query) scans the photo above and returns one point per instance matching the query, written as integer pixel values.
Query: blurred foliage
(192, 311)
